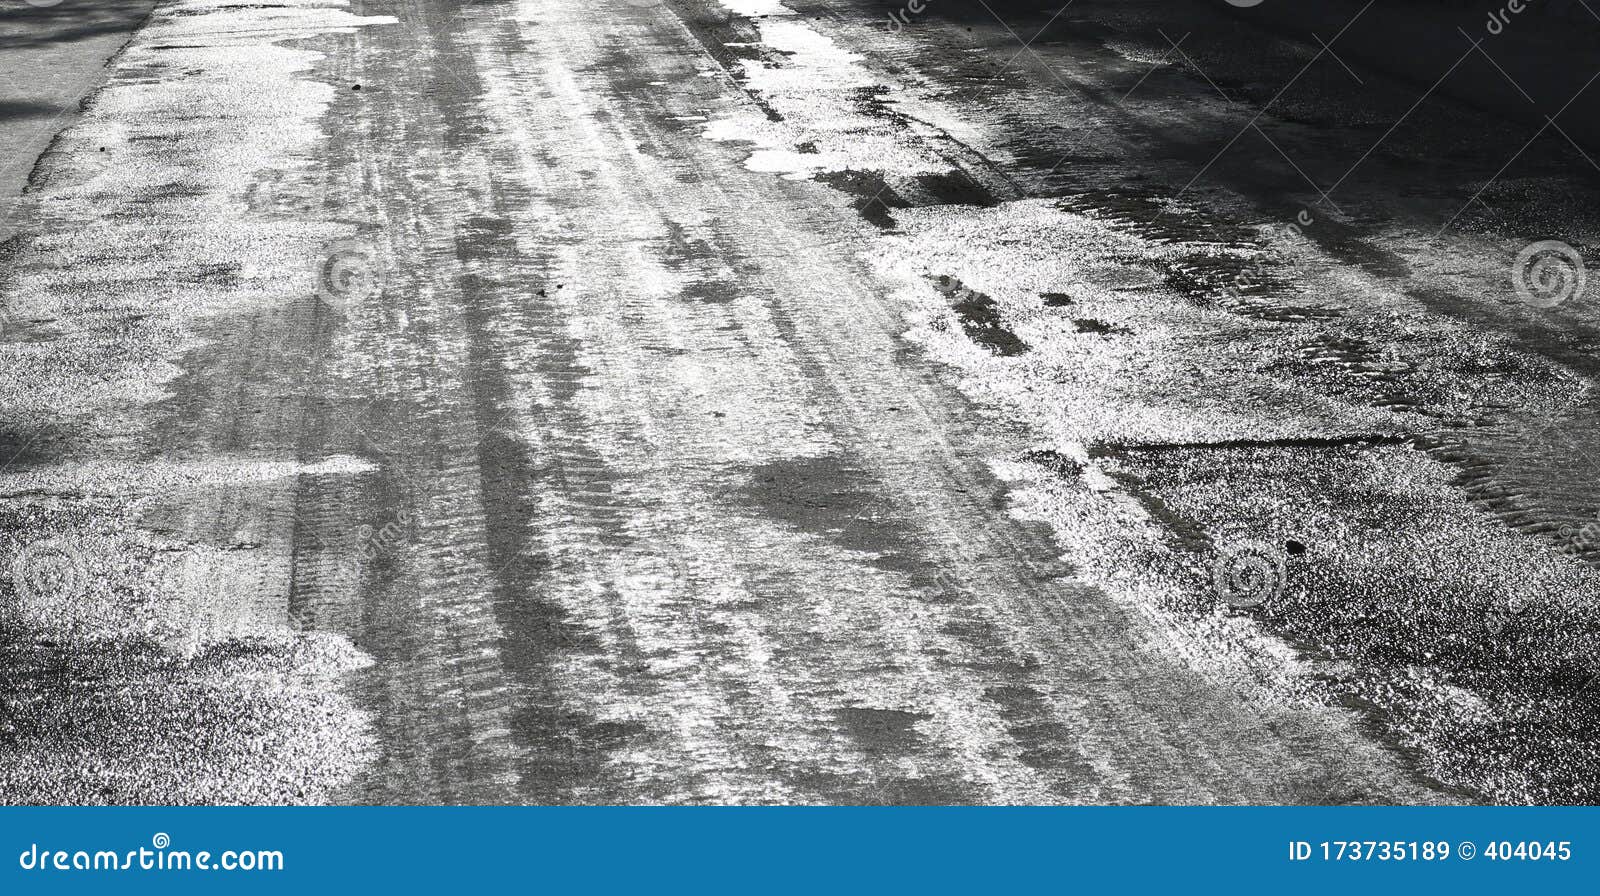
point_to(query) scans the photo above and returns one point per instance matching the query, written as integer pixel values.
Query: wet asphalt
(688, 402)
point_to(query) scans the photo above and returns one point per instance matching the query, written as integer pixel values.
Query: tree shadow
(23, 26)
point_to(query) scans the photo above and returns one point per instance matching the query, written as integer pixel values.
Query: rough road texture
(542, 402)
(51, 59)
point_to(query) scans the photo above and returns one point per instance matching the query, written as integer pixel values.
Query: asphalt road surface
(51, 58)
(540, 401)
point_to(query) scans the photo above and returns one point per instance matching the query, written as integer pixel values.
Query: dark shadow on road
(22, 25)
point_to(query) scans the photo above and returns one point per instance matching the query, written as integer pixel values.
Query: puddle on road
(980, 318)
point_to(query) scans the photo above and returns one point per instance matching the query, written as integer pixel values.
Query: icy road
(547, 401)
